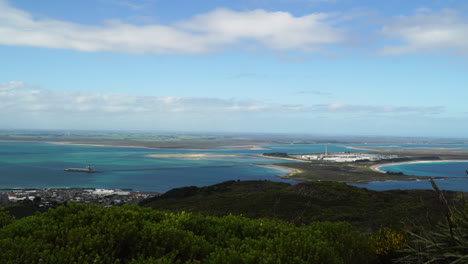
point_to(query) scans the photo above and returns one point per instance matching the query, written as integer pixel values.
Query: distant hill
(307, 202)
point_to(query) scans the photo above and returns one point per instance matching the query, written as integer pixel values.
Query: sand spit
(359, 148)
(283, 158)
(98, 145)
(193, 156)
(291, 172)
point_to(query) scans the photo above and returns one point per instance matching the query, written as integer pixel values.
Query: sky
(318, 67)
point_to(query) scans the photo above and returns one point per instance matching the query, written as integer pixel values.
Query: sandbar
(359, 148)
(377, 167)
(291, 172)
(193, 156)
(97, 145)
(272, 157)
(248, 147)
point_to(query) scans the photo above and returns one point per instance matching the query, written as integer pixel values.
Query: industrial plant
(345, 156)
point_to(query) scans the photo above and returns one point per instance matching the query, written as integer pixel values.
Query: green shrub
(448, 243)
(80, 233)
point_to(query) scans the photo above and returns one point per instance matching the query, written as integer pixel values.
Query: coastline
(228, 147)
(358, 148)
(377, 167)
(290, 172)
(271, 157)
(93, 145)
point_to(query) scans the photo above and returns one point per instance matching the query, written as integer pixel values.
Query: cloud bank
(20, 97)
(25, 106)
(428, 31)
(220, 29)
(202, 33)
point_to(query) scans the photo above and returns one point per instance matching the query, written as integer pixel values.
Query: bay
(454, 169)
(41, 165)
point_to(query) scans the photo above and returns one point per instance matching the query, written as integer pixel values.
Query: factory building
(346, 157)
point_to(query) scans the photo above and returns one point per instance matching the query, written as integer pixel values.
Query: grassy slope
(307, 202)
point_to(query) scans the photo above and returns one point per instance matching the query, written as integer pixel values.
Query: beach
(377, 167)
(289, 172)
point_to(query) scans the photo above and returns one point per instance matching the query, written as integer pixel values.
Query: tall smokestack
(326, 149)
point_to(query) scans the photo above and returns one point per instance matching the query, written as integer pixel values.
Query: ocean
(41, 165)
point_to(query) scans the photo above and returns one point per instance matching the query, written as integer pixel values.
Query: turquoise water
(34, 165)
(433, 169)
(455, 170)
(447, 184)
(445, 147)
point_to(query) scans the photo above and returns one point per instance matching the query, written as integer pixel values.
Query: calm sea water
(33, 165)
(455, 170)
(445, 147)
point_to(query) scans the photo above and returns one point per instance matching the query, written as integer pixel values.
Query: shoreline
(229, 147)
(93, 145)
(358, 148)
(291, 172)
(377, 167)
(271, 157)
(256, 146)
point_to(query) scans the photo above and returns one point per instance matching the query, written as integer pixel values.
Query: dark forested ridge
(306, 202)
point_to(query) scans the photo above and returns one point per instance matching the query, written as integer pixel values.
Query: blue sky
(320, 67)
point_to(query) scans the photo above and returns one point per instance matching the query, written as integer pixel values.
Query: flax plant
(446, 244)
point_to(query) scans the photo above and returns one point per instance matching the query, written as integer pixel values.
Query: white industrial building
(345, 157)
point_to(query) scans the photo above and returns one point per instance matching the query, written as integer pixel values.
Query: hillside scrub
(447, 242)
(307, 202)
(86, 233)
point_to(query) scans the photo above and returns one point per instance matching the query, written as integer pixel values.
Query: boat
(466, 171)
(88, 169)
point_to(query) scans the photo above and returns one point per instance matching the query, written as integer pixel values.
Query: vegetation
(85, 233)
(350, 172)
(315, 231)
(394, 173)
(447, 242)
(307, 202)
(387, 243)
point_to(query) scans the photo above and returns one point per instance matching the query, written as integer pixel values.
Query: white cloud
(379, 109)
(428, 31)
(4, 87)
(203, 33)
(24, 106)
(276, 30)
(19, 97)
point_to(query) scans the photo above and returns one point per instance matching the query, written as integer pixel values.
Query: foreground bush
(448, 243)
(80, 233)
